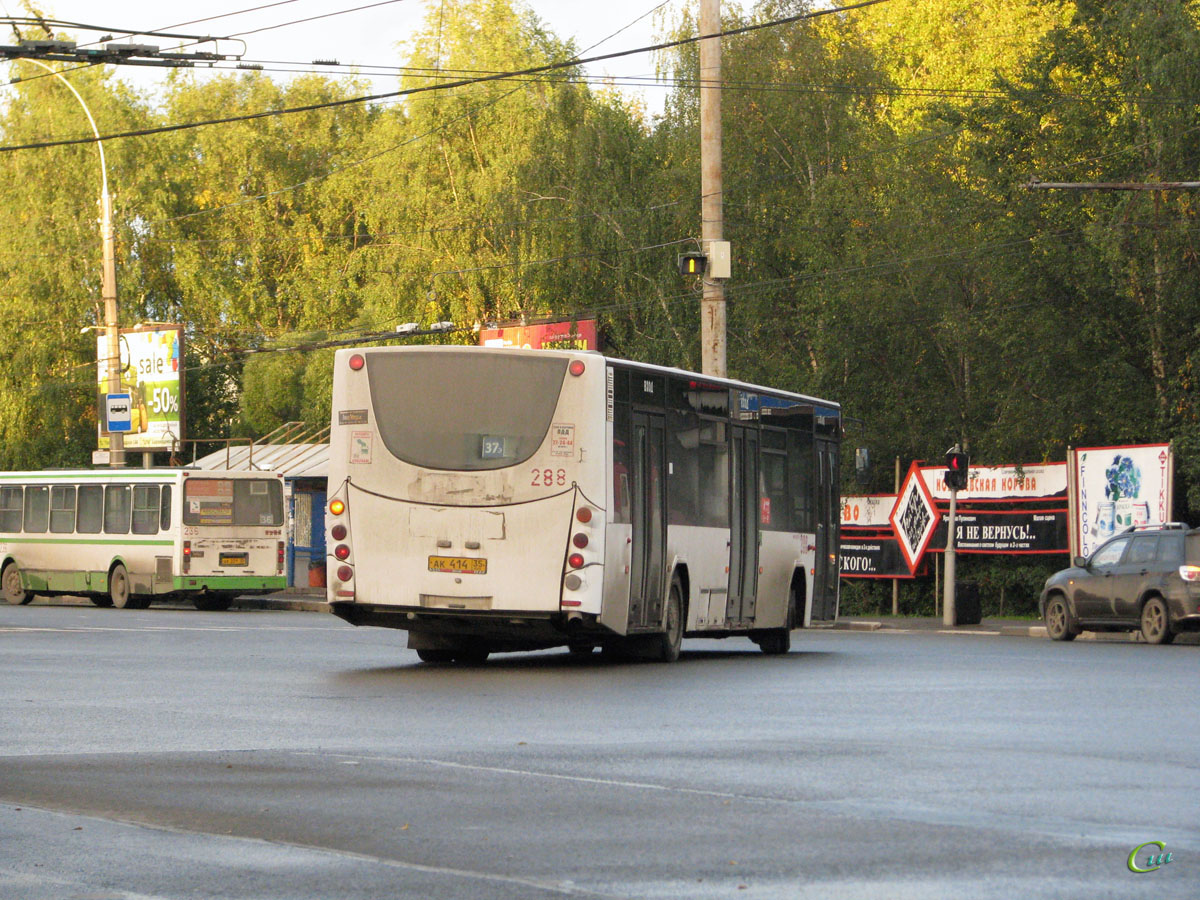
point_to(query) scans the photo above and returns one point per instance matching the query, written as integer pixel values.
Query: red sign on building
(579, 335)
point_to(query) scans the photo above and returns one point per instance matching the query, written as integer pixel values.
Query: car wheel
(1156, 626)
(1058, 619)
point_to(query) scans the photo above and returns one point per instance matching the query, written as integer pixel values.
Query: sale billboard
(150, 371)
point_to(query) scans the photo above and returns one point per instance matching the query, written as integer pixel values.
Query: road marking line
(579, 779)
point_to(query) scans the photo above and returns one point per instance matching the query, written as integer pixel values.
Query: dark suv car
(1145, 578)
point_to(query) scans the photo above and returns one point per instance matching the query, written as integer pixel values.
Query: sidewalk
(989, 627)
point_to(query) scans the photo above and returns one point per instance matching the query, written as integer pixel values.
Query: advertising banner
(151, 367)
(878, 557)
(1005, 531)
(1115, 488)
(914, 518)
(579, 335)
(1002, 482)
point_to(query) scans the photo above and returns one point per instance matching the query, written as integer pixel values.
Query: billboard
(1115, 488)
(579, 335)
(151, 373)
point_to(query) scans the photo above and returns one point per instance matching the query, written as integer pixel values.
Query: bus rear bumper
(500, 631)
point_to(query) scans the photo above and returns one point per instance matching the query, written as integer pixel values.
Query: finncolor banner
(1114, 488)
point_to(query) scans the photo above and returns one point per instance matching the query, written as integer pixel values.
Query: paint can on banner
(1124, 513)
(1141, 512)
(1106, 518)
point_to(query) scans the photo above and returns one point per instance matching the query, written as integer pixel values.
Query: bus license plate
(234, 559)
(458, 565)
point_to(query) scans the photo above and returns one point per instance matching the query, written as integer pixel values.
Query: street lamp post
(108, 277)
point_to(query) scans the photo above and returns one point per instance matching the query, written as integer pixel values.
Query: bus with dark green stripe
(127, 537)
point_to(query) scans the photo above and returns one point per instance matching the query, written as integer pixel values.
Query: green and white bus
(125, 537)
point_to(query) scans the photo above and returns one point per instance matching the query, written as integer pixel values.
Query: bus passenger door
(647, 487)
(825, 579)
(743, 526)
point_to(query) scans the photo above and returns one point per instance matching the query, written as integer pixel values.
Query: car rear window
(1193, 548)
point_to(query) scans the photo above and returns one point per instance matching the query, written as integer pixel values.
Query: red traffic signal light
(957, 470)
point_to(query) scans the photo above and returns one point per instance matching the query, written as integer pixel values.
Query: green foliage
(888, 252)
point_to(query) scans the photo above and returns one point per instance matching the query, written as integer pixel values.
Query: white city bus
(124, 537)
(495, 499)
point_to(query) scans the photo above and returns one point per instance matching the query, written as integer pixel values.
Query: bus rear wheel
(777, 641)
(11, 581)
(212, 602)
(436, 655)
(669, 642)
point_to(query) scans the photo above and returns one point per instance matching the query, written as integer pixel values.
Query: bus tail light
(357, 361)
(344, 573)
(337, 507)
(584, 514)
(187, 557)
(576, 367)
(280, 555)
(575, 560)
(338, 532)
(342, 551)
(580, 540)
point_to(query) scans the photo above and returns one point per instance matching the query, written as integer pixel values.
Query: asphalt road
(170, 753)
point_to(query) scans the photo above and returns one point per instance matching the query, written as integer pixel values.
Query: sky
(369, 37)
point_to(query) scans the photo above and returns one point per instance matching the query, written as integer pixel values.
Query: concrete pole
(108, 275)
(712, 304)
(948, 599)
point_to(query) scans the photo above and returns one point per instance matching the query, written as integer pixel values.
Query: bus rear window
(464, 410)
(232, 501)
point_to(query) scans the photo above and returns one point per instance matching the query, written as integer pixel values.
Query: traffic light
(692, 263)
(957, 466)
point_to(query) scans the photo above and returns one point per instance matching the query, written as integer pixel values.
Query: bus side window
(622, 434)
(164, 520)
(62, 508)
(37, 508)
(10, 509)
(145, 509)
(773, 490)
(116, 509)
(91, 509)
(800, 480)
(714, 474)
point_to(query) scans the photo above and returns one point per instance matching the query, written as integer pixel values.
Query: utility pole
(712, 303)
